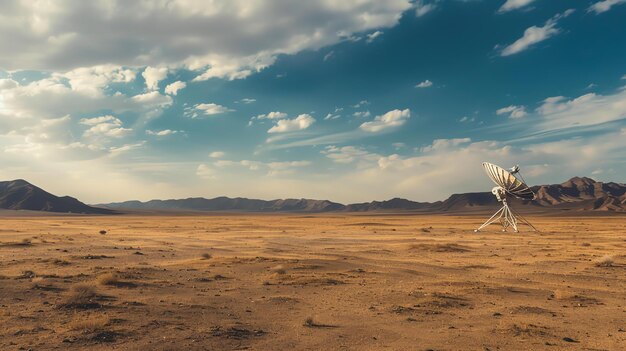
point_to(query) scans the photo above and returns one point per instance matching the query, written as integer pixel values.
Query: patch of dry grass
(89, 324)
(279, 270)
(108, 279)
(81, 295)
(605, 261)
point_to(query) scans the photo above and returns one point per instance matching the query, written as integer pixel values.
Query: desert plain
(310, 282)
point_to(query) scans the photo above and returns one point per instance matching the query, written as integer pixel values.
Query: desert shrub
(81, 295)
(89, 324)
(280, 270)
(605, 261)
(108, 279)
(206, 256)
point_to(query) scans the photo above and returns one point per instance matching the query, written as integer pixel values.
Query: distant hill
(21, 195)
(230, 204)
(393, 204)
(576, 194)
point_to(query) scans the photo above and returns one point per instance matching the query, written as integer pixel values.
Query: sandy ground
(323, 282)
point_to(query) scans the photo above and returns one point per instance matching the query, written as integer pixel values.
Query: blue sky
(350, 100)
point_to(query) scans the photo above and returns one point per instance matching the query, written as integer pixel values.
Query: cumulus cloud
(513, 111)
(208, 109)
(173, 88)
(226, 39)
(153, 75)
(217, 154)
(108, 126)
(511, 5)
(534, 35)
(391, 119)
(301, 122)
(425, 84)
(603, 6)
(91, 80)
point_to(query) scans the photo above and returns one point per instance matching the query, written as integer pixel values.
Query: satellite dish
(507, 185)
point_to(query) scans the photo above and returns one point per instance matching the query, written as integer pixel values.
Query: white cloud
(467, 119)
(425, 84)
(153, 75)
(108, 126)
(391, 119)
(511, 5)
(348, 154)
(371, 37)
(362, 114)
(224, 39)
(422, 7)
(534, 35)
(217, 154)
(361, 104)
(118, 150)
(513, 111)
(331, 116)
(586, 111)
(91, 80)
(604, 5)
(301, 122)
(329, 55)
(271, 115)
(208, 109)
(247, 101)
(8, 84)
(273, 168)
(164, 132)
(205, 172)
(172, 89)
(444, 144)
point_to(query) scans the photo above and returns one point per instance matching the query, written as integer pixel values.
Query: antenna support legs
(507, 218)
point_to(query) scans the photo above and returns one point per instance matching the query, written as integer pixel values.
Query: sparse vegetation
(280, 270)
(89, 324)
(108, 279)
(103, 232)
(605, 261)
(81, 295)
(206, 256)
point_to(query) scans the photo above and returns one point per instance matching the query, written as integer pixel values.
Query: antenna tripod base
(508, 218)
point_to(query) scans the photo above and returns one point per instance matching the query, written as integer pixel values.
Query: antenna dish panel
(507, 184)
(508, 181)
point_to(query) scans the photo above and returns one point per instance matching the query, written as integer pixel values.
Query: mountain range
(576, 194)
(21, 195)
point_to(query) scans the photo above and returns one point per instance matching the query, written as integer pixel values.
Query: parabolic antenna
(507, 184)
